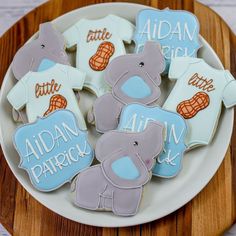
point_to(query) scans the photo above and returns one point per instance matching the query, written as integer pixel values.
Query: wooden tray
(210, 213)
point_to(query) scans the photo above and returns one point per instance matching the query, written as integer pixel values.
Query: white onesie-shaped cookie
(98, 42)
(49, 90)
(198, 95)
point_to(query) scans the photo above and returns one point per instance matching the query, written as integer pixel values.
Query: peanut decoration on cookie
(189, 108)
(57, 101)
(100, 59)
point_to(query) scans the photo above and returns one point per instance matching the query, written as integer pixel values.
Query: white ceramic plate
(162, 196)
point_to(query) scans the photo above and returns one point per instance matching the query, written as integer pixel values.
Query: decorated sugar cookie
(126, 162)
(53, 150)
(177, 32)
(135, 118)
(49, 90)
(98, 42)
(41, 53)
(133, 78)
(197, 96)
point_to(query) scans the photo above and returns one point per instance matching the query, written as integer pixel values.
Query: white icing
(146, 30)
(70, 153)
(60, 161)
(169, 160)
(45, 140)
(175, 51)
(69, 131)
(28, 146)
(138, 124)
(50, 141)
(186, 31)
(38, 146)
(59, 134)
(176, 30)
(132, 124)
(46, 169)
(52, 165)
(174, 135)
(164, 29)
(83, 153)
(159, 35)
(36, 177)
(46, 148)
(154, 30)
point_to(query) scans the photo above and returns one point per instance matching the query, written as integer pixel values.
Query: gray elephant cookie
(40, 54)
(49, 46)
(126, 162)
(133, 78)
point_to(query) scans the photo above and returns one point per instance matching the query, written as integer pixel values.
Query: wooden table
(210, 213)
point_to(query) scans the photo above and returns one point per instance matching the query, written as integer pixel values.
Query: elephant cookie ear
(49, 35)
(151, 61)
(53, 150)
(48, 46)
(153, 52)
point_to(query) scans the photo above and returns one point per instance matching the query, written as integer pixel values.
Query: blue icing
(53, 150)
(176, 31)
(45, 64)
(134, 118)
(135, 87)
(125, 168)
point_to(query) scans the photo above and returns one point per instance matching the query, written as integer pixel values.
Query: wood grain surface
(210, 213)
(11, 11)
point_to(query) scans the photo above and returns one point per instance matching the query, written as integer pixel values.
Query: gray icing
(49, 45)
(133, 78)
(103, 187)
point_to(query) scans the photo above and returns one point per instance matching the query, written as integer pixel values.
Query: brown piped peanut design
(57, 101)
(189, 108)
(100, 59)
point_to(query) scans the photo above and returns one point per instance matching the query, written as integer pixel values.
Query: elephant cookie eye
(141, 64)
(42, 46)
(135, 143)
